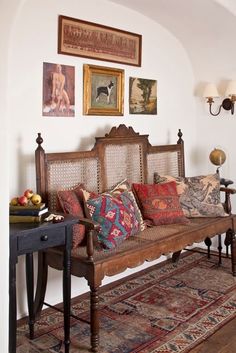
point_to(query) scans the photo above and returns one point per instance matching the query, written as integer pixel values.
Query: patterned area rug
(167, 309)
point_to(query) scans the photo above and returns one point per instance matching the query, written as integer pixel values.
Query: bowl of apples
(28, 198)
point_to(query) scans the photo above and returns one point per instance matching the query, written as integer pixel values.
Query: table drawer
(43, 239)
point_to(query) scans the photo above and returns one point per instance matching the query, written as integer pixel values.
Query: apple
(14, 201)
(36, 199)
(22, 200)
(28, 193)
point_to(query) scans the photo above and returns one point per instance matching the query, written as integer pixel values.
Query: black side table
(26, 238)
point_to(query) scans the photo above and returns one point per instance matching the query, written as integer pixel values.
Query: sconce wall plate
(227, 104)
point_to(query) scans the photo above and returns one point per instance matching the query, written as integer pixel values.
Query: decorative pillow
(116, 216)
(70, 203)
(160, 203)
(199, 195)
(125, 186)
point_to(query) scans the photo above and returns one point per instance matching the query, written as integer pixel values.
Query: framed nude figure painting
(58, 90)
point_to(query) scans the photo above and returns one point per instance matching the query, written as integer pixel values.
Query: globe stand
(218, 157)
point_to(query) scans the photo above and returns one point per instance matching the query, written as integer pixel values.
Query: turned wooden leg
(227, 241)
(67, 288)
(30, 292)
(233, 252)
(94, 314)
(175, 256)
(208, 243)
(41, 283)
(219, 249)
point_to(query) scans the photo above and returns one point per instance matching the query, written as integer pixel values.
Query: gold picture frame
(103, 90)
(99, 42)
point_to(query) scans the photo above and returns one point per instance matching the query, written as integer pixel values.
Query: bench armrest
(227, 202)
(228, 190)
(89, 224)
(91, 228)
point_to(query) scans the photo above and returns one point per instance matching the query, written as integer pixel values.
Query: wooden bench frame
(118, 145)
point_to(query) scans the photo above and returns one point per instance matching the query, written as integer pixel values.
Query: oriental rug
(168, 308)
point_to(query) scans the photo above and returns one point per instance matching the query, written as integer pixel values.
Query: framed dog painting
(103, 90)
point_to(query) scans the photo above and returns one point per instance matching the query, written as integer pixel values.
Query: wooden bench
(122, 153)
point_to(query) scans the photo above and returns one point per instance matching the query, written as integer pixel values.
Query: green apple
(14, 201)
(36, 199)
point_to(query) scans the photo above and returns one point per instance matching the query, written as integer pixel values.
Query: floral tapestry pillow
(116, 216)
(71, 204)
(199, 195)
(160, 203)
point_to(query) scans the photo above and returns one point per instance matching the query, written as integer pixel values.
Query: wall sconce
(211, 92)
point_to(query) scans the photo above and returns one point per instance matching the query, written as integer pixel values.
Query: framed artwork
(58, 90)
(103, 90)
(95, 41)
(142, 96)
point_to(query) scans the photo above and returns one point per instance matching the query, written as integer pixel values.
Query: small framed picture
(58, 90)
(142, 96)
(103, 90)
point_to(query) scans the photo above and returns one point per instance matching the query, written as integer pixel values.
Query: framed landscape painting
(58, 90)
(103, 90)
(142, 96)
(95, 41)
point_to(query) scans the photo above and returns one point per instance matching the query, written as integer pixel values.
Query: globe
(217, 157)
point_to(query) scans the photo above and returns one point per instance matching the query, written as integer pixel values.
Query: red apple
(36, 199)
(28, 193)
(14, 201)
(22, 200)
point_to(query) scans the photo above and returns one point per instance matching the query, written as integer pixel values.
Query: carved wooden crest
(121, 132)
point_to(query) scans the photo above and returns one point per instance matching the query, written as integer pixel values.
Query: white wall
(6, 11)
(206, 29)
(34, 41)
(217, 66)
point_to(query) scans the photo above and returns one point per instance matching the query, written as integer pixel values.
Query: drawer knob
(44, 237)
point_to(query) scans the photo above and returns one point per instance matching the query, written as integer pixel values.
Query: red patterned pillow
(70, 203)
(160, 203)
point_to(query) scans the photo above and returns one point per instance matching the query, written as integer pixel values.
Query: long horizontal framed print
(95, 41)
(103, 90)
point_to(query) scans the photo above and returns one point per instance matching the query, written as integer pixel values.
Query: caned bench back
(122, 153)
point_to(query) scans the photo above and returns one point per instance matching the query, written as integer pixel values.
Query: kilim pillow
(160, 203)
(70, 203)
(116, 216)
(121, 187)
(199, 195)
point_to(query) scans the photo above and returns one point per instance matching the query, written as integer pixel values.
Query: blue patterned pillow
(116, 216)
